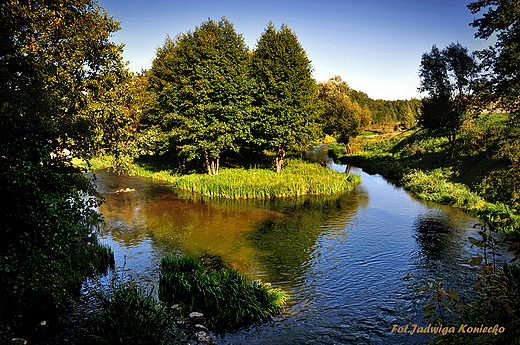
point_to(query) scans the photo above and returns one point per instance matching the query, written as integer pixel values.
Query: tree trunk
(452, 140)
(211, 164)
(280, 155)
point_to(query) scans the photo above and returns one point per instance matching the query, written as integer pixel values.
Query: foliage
(225, 297)
(449, 77)
(503, 59)
(202, 92)
(286, 101)
(124, 313)
(44, 88)
(344, 118)
(113, 115)
(337, 150)
(45, 68)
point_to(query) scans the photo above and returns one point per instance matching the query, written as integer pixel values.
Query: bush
(125, 313)
(224, 296)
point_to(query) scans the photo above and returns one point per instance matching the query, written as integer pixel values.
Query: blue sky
(374, 45)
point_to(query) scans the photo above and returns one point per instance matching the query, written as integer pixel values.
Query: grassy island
(298, 178)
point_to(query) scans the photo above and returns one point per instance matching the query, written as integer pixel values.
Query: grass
(298, 178)
(225, 297)
(476, 180)
(93, 164)
(124, 313)
(434, 186)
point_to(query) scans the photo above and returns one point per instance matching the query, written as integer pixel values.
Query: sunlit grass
(94, 163)
(434, 186)
(298, 178)
(224, 296)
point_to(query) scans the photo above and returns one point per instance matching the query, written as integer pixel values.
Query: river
(341, 258)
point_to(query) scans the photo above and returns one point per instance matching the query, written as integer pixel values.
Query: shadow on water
(342, 258)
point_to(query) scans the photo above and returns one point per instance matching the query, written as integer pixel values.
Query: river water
(341, 258)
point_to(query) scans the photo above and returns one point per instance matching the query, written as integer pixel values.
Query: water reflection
(342, 258)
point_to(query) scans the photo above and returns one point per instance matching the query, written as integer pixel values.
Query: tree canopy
(448, 76)
(344, 117)
(203, 92)
(286, 97)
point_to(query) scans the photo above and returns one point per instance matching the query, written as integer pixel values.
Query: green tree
(113, 114)
(202, 92)
(503, 59)
(448, 76)
(49, 51)
(286, 100)
(344, 118)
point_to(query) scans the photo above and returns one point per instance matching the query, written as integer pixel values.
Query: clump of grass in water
(297, 179)
(224, 296)
(93, 258)
(125, 313)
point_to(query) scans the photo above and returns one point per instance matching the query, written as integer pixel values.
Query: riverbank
(297, 178)
(421, 163)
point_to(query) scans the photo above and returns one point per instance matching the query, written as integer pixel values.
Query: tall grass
(124, 313)
(297, 179)
(434, 186)
(225, 297)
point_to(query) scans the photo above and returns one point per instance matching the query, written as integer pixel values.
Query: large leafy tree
(202, 92)
(344, 117)
(116, 101)
(49, 53)
(448, 76)
(286, 100)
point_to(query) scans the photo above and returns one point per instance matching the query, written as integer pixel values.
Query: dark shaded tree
(503, 59)
(448, 76)
(49, 53)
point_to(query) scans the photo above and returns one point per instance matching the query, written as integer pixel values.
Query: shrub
(224, 296)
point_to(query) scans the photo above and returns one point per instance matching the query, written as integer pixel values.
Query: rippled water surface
(341, 258)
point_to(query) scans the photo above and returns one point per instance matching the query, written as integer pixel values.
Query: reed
(225, 297)
(93, 258)
(124, 313)
(297, 179)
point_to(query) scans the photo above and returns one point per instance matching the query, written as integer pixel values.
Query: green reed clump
(433, 186)
(225, 297)
(297, 179)
(92, 258)
(125, 313)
